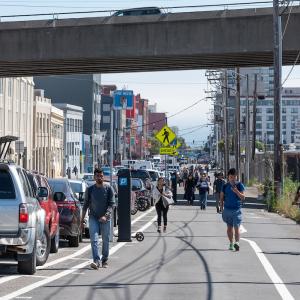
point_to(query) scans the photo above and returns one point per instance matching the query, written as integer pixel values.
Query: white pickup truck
(22, 219)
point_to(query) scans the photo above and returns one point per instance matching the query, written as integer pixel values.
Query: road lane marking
(242, 229)
(71, 256)
(57, 276)
(278, 283)
(8, 278)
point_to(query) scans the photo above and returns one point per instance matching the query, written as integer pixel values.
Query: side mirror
(42, 193)
(59, 196)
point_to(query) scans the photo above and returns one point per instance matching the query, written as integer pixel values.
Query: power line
(168, 117)
(113, 10)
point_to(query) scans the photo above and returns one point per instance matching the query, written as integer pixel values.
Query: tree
(259, 146)
(155, 145)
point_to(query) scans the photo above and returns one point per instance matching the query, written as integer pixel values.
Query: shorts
(232, 217)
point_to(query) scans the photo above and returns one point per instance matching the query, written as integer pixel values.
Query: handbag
(167, 201)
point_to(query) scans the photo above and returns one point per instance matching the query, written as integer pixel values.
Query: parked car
(70, 211)
(89, 178)
(79, 188)
(50, 243)
(22, 220)
(144, 175)
(143, 195)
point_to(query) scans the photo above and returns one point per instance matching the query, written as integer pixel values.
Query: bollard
(124, 204)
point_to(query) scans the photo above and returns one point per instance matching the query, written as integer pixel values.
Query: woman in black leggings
(160, 194)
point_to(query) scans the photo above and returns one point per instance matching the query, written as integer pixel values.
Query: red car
(51, 243)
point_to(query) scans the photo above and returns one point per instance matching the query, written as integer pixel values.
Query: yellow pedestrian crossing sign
(168, 151)
(165, 135)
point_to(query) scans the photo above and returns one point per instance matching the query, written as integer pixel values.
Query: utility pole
(277, 31)
(247, 149)
(237, 122)
(254, 117)
(226, 142)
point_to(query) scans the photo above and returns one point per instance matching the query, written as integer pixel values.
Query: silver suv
(21, 217)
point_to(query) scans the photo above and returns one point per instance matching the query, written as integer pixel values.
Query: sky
(171, 90)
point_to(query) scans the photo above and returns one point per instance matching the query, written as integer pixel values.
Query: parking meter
(124, 205)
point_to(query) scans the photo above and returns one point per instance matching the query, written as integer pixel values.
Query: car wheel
(28, 266)
(74, 241)
(43, 248)
(55, 242)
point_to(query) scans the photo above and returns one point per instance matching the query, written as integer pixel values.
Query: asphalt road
(190, 261)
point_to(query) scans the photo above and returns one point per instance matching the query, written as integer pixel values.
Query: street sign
(123, 99)
(168, 151)
(165, 135)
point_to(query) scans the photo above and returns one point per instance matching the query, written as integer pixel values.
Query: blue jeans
(95, 227)
(203, 198)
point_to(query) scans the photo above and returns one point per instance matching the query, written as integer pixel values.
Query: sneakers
(231, 246)
(159, 229)
(104, 264)
(236, 246)
(95, 265)
(165, 228)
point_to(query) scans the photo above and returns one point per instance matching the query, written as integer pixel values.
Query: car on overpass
(140, 11)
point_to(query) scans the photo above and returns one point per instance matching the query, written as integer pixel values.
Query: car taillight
(23, 213)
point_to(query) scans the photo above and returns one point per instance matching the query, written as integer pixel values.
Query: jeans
(95, 227)
(203, 199)
(161, 209)
(218, 201)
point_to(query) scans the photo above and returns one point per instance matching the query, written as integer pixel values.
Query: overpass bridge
(179, 41)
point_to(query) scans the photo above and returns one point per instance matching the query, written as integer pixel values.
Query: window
(10, 87)
(106, 107)
(283, 118)
(270, 126)
(1, 86)
(106, 119)
(283, 125)
(7, 190)
(258, 118)
(258, 126)
(284, 110)
(24, 183)
(258, 110)
(294, 110)
(269, 110)
(270, 118)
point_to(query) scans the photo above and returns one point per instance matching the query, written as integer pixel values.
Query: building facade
(57, 142)
(73, 126)
(41, 133)
(82, 90)
(16, 116)
(290, 115)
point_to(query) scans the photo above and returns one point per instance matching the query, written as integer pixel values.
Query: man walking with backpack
(232, 196)
(99, 199)
(217, 188)
(203, 187)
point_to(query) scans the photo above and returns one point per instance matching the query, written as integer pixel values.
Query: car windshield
(139, 174)
(60, 186)
(136, 184)
(89, 177)
(77, 187)
(154, 175)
